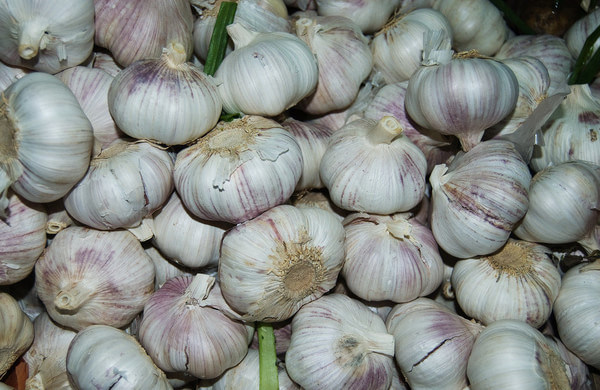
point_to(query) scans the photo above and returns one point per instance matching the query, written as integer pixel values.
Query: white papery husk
(16, 332)
(370, 15)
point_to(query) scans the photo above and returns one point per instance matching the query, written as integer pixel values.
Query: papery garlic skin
(518, 282)
(390, 258)
(10, 74)
(238, 170)
(16, 332)
(370, 15)
(510, 354)
(577, 371)
(273, 264)
(23, 238)
(478, 199)
(101, 356)
(90, 277)
(579, 31)
(266, 73)
(125, 183)
(105, 61)
(372, 167)
(164, 268)
(46, 36)
(338, 343)
(320, 200)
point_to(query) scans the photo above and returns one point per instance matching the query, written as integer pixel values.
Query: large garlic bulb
(46, 139)
(279, 70)
(478, 199)
(370, 15)
(370, 166)
(90, 277)
(48, 35)
(16, 332)
(338, 343)
(273, 264)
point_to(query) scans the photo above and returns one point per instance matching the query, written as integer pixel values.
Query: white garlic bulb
(279, 70)
(478, 199)
(510, 354)
(125, 183)
(165, 99)
(391, 257)
(338, 343)
(370, 15)
(273, 264)
(46, 139)
(90, 277)
(517, 282)
(23, 238)
(579, 31)
(47, 36)
(104, 357)
(238, 170)
(372, 167)
(432, 344)
(344, 60)
(398, 47)
(16, 332)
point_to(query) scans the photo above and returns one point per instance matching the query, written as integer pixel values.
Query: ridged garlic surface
(125, 183)
(286, 257)
(338, 343)
(391, 257)
(16, 332)
(579, 31)
(266, 73)
(370, 15)
(47, 36)
(371, 166)
(10, 74)
(518, 282)
(164, 268)
(238, 170)
(88, 277)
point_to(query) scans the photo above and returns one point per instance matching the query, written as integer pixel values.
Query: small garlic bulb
(23, 238)
(478, 199)
(273, 264)
(391, 257)
(517, 282)
(372, 167)
(46, 36)
(370, 15)
(279, 70)
(90, 277)
(338, 343)
(238, 170)
(432, 344)
(511, 354)
(125, 183)
(104, 357)
(16, 332)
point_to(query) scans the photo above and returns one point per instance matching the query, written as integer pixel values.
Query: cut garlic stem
(175, 54)
(240, 35)
(382, 343)
(30, 38)
(200, 286)
(72, 297)
(385, 131)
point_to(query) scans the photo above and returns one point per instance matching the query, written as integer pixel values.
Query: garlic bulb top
(16, 332)
(47, 36)
(370, 15)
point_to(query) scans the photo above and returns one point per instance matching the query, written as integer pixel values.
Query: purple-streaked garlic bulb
(370, 15)
(391, 257)
(286, 257)
(186, 328)
(16, 332)
(90, 277)
(338, 343)
(579, 31)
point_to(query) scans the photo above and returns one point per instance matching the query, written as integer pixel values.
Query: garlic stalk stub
(16, 332)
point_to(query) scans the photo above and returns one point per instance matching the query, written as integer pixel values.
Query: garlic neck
(303, 29)
(382, 343)
(199, 288)
(72, 298)
(385, 131)
(31, 39)
(175, 54)
(240, 35)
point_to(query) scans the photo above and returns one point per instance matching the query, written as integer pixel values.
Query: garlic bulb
(164, 99)
(238, 170)
(461, 95)
(47, 357)
(518, 282)
(576, 312)
(125, 183)
(47, 36)
(104, 357)
(338, 343)
(390, 257)
(344, 60)
(564, 202)
(16, 332)
(478, 199)
(157, 23)
(579, 31)
(46, 139)
(370, 15)
(372, 167)
(432, 344)
(23, 238)
(510, 354)
(279, 70)
(90, 277)
(577, 371)
(273, 264)
(398, 47)
(317, 199)
(184, 328)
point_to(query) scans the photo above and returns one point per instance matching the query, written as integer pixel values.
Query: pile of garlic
(409, 192)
